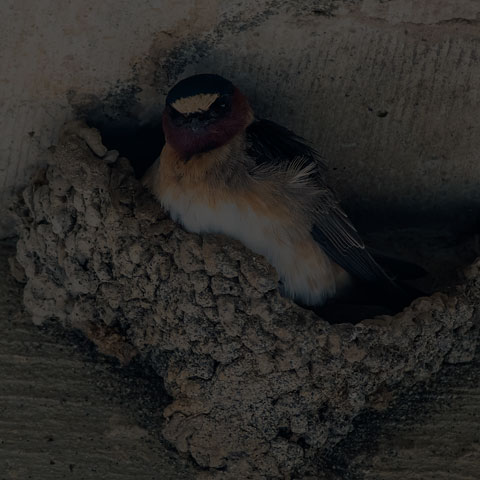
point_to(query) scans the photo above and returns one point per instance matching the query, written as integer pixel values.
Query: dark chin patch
(193, 143)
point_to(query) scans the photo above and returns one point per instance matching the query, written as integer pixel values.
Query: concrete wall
(388, 90)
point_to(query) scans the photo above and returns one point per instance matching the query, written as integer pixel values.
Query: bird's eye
(220, 106)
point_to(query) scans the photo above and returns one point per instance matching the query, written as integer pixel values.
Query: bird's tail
(397, 268)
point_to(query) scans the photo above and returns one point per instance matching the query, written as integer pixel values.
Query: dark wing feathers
(404, 270)
(269, 143)
(342, 243)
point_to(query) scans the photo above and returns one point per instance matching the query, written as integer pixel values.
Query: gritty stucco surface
(387, 90)
(259, 386)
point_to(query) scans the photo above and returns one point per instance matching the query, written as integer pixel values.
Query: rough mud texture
(430, 431)
(69, 413)
(260, 387)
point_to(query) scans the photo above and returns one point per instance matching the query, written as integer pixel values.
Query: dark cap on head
(198, 84)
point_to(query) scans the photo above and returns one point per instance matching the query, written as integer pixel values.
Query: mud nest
(260, 387)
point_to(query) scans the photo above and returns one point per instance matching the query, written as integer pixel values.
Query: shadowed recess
(124, 125)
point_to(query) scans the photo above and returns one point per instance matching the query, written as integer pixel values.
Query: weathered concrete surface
(429, 432)
(385, 89)
(260, 387)
(439, 441)
(68, 414)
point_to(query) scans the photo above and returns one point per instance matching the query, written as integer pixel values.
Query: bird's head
(204, 112)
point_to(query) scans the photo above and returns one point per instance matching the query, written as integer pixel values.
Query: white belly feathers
(307, 273)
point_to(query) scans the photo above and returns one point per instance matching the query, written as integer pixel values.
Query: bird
(223, 170)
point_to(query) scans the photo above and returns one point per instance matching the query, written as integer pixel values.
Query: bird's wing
(402, 269)
(269, 144)
(340, 240)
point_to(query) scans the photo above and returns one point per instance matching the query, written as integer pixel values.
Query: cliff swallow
(222, 170)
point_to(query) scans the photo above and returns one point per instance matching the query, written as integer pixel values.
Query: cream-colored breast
(253, 216)
(306, 272)
(239, 221)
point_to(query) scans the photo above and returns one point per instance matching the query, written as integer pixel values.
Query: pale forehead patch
(196, 103)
